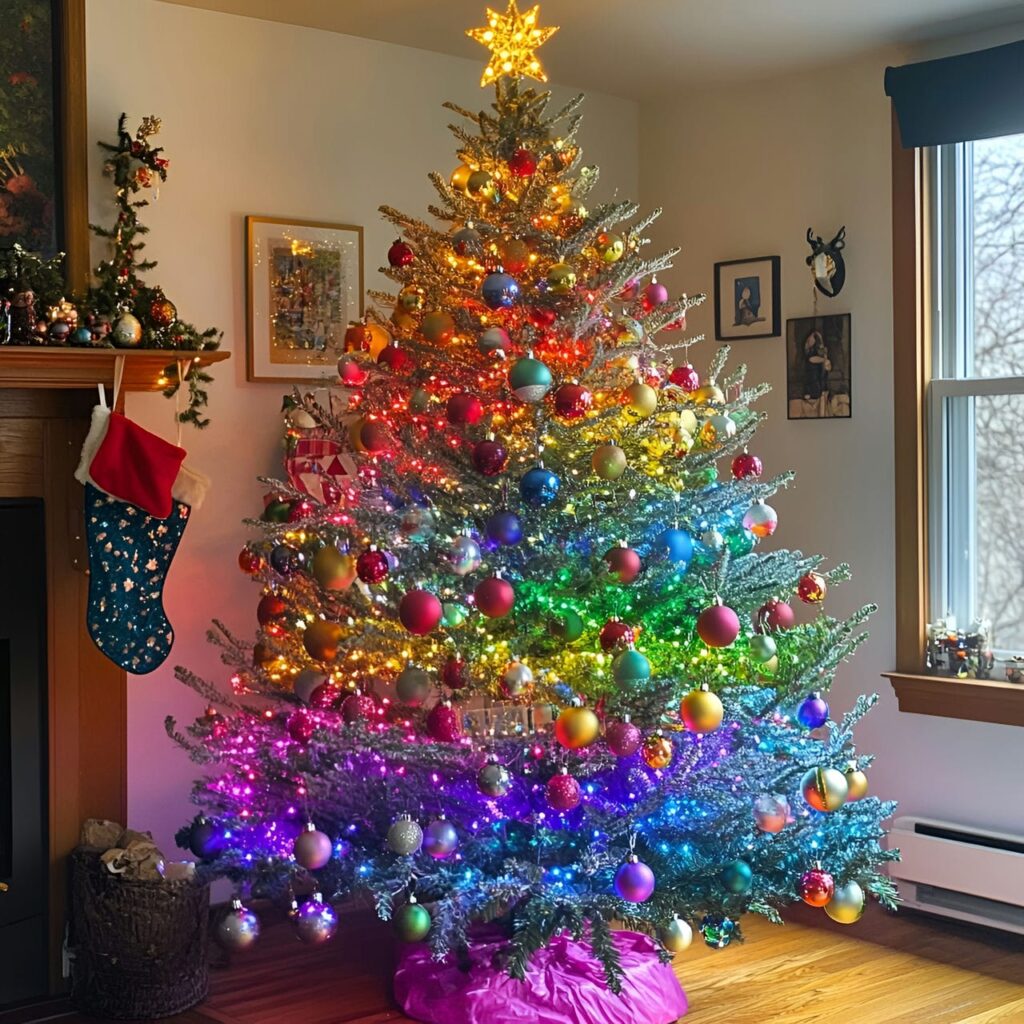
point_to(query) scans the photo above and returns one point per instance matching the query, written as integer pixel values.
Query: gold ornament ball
(379, 339)
(657, 751)
(708, 394)
(701, 711)
(514, 254)
(610, 246)
(481, 185)
(321, 640)
(332, 569)
(410, 298)
(641, 399)
(127, 332)
(847, 903)
(824, 789)
(438, 326)
(460, 177)
(355, 433)
(577, 727)
(676, 935)
(561, 278)
(856, 784)
(608, 461)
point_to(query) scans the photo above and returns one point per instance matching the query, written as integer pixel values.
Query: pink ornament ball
(623, 563)
(563, 792)
(419, 611)
(300, 726)
(623, 738)
(774, 615)
(464, 408)
(495, 597)
(444, 723)
(634, 882)
(746, 465)
(312, 849)
(358, 707)
(654, 295)
(718, 626)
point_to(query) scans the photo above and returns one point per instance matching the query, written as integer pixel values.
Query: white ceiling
(640, 48)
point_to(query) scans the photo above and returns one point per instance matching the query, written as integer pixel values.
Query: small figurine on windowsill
(965, 654)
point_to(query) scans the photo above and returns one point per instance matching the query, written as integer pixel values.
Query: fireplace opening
(24, 843)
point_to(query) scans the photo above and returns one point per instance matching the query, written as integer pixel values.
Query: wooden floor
(903, 969)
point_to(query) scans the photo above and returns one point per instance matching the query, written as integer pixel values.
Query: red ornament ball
(249, 561)
(616, 634)
(444, 723)
(685, 377)
(419, 611)
(816, 887)
(358, 707)
(372, 566)
(357, 337)
(350, 373)
(623, 738)
(572, 401)
(455, 673)
(489, 457)
(811, 588)
(464, 408)
(400, 254)
(325, 697)
(746, 465)
(270, 608)
(375, 437)
(495, 597)
(654, 295)
(563, 792)
(541, 317)
(624, 563)
(396, 359)
(522, 163)
(718, 626)
(774, 615)
(300, 726)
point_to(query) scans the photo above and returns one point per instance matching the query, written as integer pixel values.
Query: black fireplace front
(24, 856)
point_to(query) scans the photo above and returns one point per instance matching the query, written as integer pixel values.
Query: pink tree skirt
(565, 985)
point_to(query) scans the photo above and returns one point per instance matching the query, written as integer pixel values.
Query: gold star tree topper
(512, 38)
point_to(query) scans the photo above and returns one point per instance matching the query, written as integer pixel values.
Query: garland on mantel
(120, 309)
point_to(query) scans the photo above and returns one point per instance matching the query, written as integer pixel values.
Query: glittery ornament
(404, 837)
(774, 615)
(563, 792)
(300, 726)
(503, 527)
(616, 634)
(522, 163)
(412, 922)
(622, 737)
(444, 723)
(516, 680)
(321, 640)
(576, 728)
(529, 379)
(813, 711)
(238, 929)
(737, 876)
(494, 597)
(631, 668)
(685, 377)
(539, 486)
(611, 247)
(811, 588)
(746, 466)
(419, 611)
(464, 556)
(634, 881)
(358, 707)
(312, 849)
(608, 461)
(499, 290)
(455, 673)
(412, 685)
(816, 887)
(717, 930)
(718, 626)
(489, 457)
(463, 409)
(440, 840)
(372, 566)
(162, 311)
(400, 254)
(771, 812)
(623, 563)
(657, 751)
(315, 921)
(847, 903)
(701, 710)
(572, 401)
(675, 936)
(760, 519)
(127, 332)
(493, 779)
(824, 789)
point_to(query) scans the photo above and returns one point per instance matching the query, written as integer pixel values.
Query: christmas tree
(525, 651)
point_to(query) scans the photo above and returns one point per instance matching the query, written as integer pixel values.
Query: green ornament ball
(740, 543)
(276, 511)
(762, 647)
(453, 614)
(631, 667)
(419, 400)
(737, 877)
(567, 626)
(529, 379)
(412, 922)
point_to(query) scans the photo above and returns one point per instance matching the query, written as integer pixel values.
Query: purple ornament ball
(634, 881)
(813, 712)
(312, 849)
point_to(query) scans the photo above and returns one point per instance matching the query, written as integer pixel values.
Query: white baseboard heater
(967, 873)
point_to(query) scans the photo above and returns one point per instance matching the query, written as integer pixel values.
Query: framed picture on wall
(747, 298)
(304, 285)
(818, 367)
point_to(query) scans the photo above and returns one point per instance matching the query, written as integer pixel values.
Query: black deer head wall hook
(826, 262)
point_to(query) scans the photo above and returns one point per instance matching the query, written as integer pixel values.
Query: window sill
(975, 700)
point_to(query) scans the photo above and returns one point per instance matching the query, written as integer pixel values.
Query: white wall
(742, 172)
(262, 118)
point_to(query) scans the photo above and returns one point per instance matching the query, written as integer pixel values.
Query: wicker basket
(139, 948)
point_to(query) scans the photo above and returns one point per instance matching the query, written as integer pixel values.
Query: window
(975, 427)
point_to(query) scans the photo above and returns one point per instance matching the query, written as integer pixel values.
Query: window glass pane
(999, 524)
(997, 226)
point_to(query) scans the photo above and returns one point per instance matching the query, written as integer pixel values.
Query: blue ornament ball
(500, 290)
(83, 336)
(813, 711)
(504, 528)
(539, 486)
(676, 544)
(631, 667)
(529, 379)
(737, 876)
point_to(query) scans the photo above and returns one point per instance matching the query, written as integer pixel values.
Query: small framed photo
(818, 367)
(304, 285)
(747, 298)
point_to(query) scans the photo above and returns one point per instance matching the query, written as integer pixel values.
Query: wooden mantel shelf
(42, 366)
(976, 700)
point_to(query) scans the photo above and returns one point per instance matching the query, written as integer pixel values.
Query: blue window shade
(957, 99)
